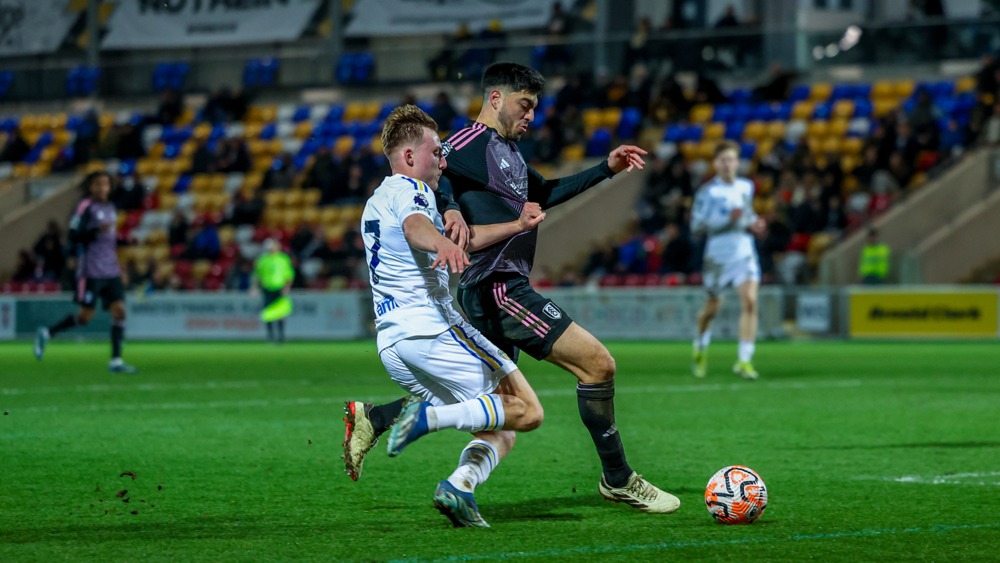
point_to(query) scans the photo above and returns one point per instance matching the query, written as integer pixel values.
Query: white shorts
(457, 365)
(717, 276)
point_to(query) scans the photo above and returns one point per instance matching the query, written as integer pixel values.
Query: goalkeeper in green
(274, 274)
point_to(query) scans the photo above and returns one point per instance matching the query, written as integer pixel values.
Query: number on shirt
(372, 228)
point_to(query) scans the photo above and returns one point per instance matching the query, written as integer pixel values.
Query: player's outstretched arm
(421, 235)
(487, 235)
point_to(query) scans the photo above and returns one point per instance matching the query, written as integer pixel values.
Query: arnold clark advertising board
(924, 312)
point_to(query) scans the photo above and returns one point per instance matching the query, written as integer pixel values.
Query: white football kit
(730, 254)
(425, 345)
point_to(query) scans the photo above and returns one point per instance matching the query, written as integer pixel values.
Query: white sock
(746, 350)
(477, 461)
(485, 412)
(703, 340)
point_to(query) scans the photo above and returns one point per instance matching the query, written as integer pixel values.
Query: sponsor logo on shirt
(421, 200)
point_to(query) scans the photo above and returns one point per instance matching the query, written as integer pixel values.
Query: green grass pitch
(226, 451)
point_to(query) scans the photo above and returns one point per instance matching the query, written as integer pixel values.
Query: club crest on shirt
(552, 311)
(421, 200)
(445, 149)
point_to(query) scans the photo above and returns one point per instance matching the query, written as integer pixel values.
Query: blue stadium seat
(842, 92)
(862, 107)
(183, 184)
(458, 122)
(82, 80)
(126, 167)
(822, 111)
(268, 132)
(739, 96)
(747, 150)
(355, 68)
(6, 81)
(336, 113)
(599, 143)
(692, 133)
(301, 114)
(799, 93)
(734, 131)
(673, 133)
(723, 112)
(260, 72)
(630, 122)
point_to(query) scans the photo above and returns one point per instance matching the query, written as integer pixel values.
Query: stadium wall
(35, 203)
(908, 223)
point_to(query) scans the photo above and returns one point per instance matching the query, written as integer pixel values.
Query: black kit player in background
(94, 240)
(491, 183)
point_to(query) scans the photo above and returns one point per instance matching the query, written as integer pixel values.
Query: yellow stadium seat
(713, 132)
(200, 269)
(764, 148)
(201, 131)
(591, 119)
(838, 127)
(776, 130)
(161, 255)
(884, 106)
(754, 131)
(848, 162)
(268, 113)
(253, 181)
(883, 89)
(61, 137)
(904, 88)
(817, 128)
(702, 113)
(849, 185)
(475, 106)
(227, 234)
(168, 201)
(843, 109)
(820, 91)
(199, 183)
(49, 154)
(343, 145)
(293, 198)
(832, 145)
(180, 165)
(689, 149)
(965, 84)
(21, 170)
(310, 197)
(303, 129)
(610, 117)
(371, 110)
(144, 166)
(216, 183)
(272, 217)
(802, 110)
(310, 215)
(706, 149)
(252, 130)
(58, 121)
(274, 199)
(353, 111)
(291, 218)
(376, 144)
(187, 116)
(188, 148)
(261, 164)
(329, 216)
(853, 146)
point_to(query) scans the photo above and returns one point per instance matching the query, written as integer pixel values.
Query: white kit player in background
(455, 376)
(723, 210)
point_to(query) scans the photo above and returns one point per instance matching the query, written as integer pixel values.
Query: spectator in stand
(245, 209)
(557, 56)
(130, 145)
(203, 160)
(637, 50)
(869, 165)
(16, 148)
(205, 243)
(129, 193)
(177, 234)
(442, 111)
(778, 86)
(170, 109)
(573, 93)
(88, 133)
(600, 261)
(304, 242)
(281, 174)
(232, 156)
(215, 110)
(953, 139)
(900, 170)
(236, 105)
(924, 116)
(50, 256)
(24, 271)
(835, 216)
(355, 188)
(707, 91)
(668, 102)
(807, 217)
(324, 174)
(240, 276)
(445, 65)
(677, 252)
(728, 19)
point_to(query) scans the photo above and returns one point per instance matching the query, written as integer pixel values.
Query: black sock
(281, 330)
(597, 410)
(382, 416)
(117, 337)
(68, 322)
(270, 331)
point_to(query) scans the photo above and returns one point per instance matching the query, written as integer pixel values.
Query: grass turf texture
(232, 452)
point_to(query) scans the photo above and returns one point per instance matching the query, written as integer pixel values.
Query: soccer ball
(736, 495)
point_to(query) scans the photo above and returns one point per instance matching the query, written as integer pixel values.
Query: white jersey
(410, 298)
(728, 241)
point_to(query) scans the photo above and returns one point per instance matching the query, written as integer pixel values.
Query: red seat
(50, 287)
(611, 280)
(183, 269)
(212, 284)
(799, 243)
(673, 280)
(695, 278)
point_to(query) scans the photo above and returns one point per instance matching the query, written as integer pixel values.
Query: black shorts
(270, 296)
(508, 311)
(88, 290)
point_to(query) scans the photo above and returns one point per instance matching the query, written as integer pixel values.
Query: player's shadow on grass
(913, 445)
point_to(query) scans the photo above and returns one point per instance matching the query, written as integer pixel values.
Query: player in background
(457, 378)
(723, 210)
(92, 233)
(274, 274)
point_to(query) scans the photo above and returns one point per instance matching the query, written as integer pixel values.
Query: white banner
(423, 17)
(812, 312)
(8, 317)
(144, 24)
(232, 316)
(661, 314)
(28, 27)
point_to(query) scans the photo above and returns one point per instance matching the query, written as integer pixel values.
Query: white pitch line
(157, 387)
(987, 478)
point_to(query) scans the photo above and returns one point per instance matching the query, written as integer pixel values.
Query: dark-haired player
(491, 183)
(92, 232)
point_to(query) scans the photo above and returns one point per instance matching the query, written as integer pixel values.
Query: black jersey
(490, 182)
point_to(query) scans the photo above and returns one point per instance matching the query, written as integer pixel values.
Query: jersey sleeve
(549, 193)
(408, 202)
(445, 197)
(82, 229)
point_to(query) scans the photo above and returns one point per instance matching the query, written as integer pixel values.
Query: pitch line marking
(598, 550)
(985, 478)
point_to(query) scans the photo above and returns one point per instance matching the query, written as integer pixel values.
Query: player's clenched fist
(531, 216)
